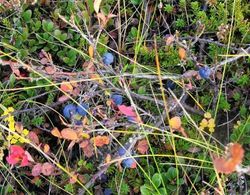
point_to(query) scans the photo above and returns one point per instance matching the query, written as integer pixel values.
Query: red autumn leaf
(100, 141)
(56, 132)
(127, 110)
(66, 86)
(36, 170)
(87, 148)
(234, 157)
(17, 155)
(33, 137)
(69, 134)
(142, 146)
(47, 169)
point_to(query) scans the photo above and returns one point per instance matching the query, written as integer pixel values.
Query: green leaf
(12, 80)
(47, 25)
(145, 190)
(163, 191)
(156, 179)
(27, 15)
(136, 2)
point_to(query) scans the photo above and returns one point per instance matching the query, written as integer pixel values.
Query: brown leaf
(56, 132)
(142, 146)
(87, 148)
(47, 169)
(32, 136)
(19, 127)
(69, 134)
(100, 141)
(50, 70)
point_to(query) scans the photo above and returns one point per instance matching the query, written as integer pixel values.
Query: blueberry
(122, 151)
(82, 111)
(69, 110)
(129, 163)
(108, 58)
(169, 84)
(117, 99)
(107, 191)
(205, 72)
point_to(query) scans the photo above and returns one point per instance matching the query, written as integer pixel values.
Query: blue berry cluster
(129, 162)
(75, 112)
(205, 72)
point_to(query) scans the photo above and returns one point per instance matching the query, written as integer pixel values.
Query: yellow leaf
(175, 122)
(91, 51)
(207, 115)
(97, 4)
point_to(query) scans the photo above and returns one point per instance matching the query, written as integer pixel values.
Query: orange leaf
(46, 148)
(234, 157)
(91, 51)
(182, 53)
(101, 140)
(175, 122)
(69, 134)
(66, 87)
(142, 146)
(56, 132)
